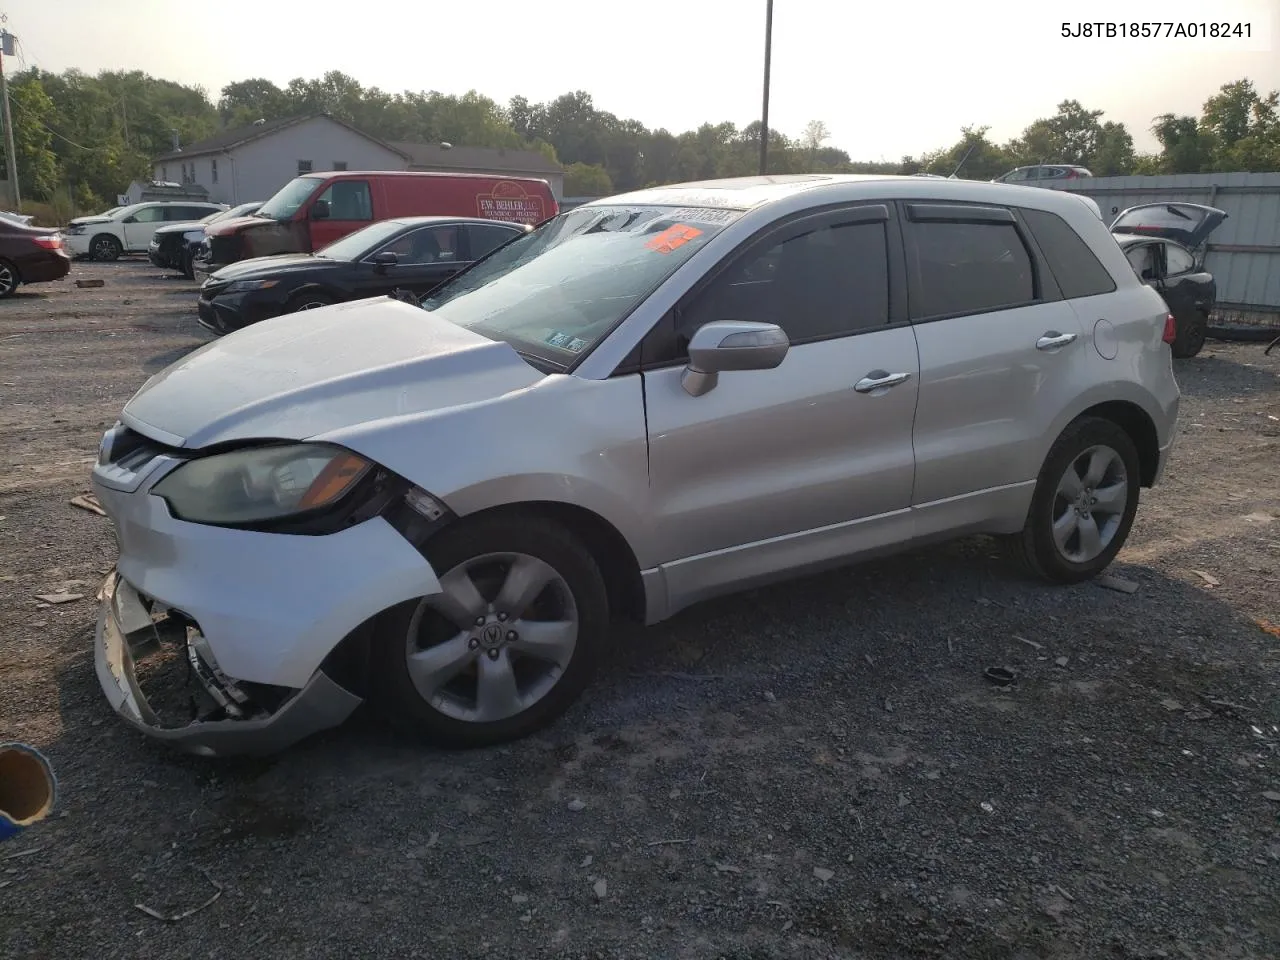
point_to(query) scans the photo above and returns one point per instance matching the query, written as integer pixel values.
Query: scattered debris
(769, 697)
(1208, 578)
(727, 868)
(59, 597)
(888, 705)
(217, 892)
(1272, 795)
(823, 874)
(950, 647)
(577, 805)
(88, 502)
(870, 662)
(1111, 582)
(22, 853)
(1171, 705)
(1061, 661)
(586, 861)
(600, 888)
(519, 898)
(1266, 625)
(1029, 643)
(987, 807)
(1000, 676)
(91, 283)
(660, 843)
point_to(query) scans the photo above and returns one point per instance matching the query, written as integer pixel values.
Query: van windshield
(556, 292)
(289, 198)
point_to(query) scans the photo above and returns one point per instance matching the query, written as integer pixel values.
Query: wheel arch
(312, 287)
(1137, 423)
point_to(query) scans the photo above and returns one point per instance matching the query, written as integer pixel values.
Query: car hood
(308, 373)
(180, 227)
(80, 220)
(234, 225)
(280, 263)
(1188, 223)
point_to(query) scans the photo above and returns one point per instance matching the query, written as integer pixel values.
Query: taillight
(1170, 329)
(49, 243)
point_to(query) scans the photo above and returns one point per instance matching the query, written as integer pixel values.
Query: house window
(304, 166)
(339, 165)
(213, 167)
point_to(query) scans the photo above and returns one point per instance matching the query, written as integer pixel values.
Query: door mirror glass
(386, 258)
(320, 210)
(730, 345)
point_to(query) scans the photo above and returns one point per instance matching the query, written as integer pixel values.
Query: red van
(316, 209)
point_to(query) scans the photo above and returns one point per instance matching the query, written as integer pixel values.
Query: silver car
(648, 401)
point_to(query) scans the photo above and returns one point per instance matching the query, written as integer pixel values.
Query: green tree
(1185, 148)
(31, 108)
(586, 180)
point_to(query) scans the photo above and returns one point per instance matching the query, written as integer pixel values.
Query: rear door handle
(873, 383)
(1052, 340)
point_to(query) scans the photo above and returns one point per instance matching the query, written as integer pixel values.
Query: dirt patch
(814, 770)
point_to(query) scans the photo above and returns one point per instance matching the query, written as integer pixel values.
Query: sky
(887, 79)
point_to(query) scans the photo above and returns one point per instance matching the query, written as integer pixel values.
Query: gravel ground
(814, 770)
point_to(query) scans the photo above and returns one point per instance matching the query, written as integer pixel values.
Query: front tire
(506, 647)
(310, 301)
(1083, 508)
(1190, 338)
(105, 248)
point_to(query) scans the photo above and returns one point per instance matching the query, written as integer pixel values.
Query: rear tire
(443, 676)
(104, 248)
(1190, 338)
(188, 264)
(9, 279)
(1083, 508)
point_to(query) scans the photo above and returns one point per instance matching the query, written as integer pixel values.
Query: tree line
(82, 139)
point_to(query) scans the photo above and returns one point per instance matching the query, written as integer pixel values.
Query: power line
(36, 119)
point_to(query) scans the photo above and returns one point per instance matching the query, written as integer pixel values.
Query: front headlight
(261, 483)
(74, 230)
(244, 286)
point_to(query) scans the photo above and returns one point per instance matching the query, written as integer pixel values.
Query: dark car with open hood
(410, 254)
(1165, 244)
(29, 255)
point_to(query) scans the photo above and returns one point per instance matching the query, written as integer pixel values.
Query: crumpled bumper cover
(318, 705)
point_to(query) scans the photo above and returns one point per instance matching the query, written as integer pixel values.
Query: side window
(968, 267)
(427, 245)
(1177, 260)
(829, 281)
(149, 215)
(1077, 270)
(349, 200)
(485, 239)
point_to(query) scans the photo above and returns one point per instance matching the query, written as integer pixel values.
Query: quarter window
(1177, 260)
(829, 281)
(1077, 270)
(969, 268)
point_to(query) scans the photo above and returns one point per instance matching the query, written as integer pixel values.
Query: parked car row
(681, 392)
(175, 244)
(129, 229)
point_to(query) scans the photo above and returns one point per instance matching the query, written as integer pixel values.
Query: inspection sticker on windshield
(718, 218)
(673, 238)
(566, 341)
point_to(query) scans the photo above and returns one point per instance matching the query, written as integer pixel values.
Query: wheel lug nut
(473, 643)
(512, 635)
(493, 654)
(502, 617)
(479, 621)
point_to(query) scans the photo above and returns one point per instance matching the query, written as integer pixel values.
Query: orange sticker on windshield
(673, 238)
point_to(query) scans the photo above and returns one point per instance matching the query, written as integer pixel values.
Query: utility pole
(764, 112)
(10, 151)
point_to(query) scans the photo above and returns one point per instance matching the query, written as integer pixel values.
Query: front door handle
(1053, 340)
(873, 383)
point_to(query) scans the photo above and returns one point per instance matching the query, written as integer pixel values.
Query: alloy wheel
(1089, 504)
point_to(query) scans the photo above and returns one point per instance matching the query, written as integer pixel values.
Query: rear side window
(485, 239)
(968, 267)
(1077, 270)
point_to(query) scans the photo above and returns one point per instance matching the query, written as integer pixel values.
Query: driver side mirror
(320, 210)
(130, 219)
(385, 259)
(728, 345)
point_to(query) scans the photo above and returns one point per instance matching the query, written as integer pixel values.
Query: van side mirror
(320, 210)
(730, 345)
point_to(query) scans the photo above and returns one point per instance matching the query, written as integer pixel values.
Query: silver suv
(649, 400)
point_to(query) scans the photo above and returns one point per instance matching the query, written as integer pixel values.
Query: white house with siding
(253, 162)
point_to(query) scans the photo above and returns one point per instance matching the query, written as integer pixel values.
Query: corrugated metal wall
(1243, 253)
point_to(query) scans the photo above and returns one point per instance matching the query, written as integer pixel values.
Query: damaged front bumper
(204, 711)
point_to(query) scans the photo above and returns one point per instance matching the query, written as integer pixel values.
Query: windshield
(556, 292)
(108, 213)
(241, 211)
(354, 245)
(289, 198)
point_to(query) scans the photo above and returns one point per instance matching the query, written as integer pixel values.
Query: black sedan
(411, 255)
(29, 255)
(1162, 241)
(173, 244)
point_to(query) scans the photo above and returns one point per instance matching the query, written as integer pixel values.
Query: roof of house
(477, 158)
(229, 139)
